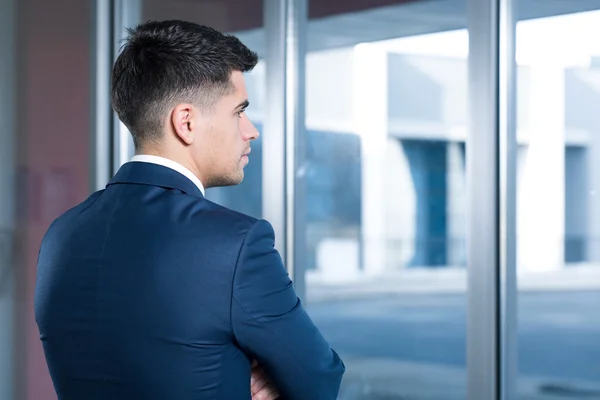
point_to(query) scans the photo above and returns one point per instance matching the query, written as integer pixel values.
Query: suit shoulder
(227, 215)
(77, 209)
(62, 223)
(258, 225)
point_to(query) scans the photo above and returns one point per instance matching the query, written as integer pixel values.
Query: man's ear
(183, 120)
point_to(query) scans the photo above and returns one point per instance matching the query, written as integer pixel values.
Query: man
(147, 290)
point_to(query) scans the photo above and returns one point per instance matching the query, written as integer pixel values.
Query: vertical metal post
(491, 169)
(507, 118)
(297, 17)
(126, 14)
(283, 130)
(274, 124)
(100, 143)
(482, 228)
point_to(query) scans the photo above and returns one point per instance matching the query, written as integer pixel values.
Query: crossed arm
(272, 327)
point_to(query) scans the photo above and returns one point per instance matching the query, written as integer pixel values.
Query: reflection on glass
(558, 226)
(386, 114)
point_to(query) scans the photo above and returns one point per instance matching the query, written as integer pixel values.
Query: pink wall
(53, 141)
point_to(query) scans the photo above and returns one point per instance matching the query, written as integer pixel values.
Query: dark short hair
(163, 63)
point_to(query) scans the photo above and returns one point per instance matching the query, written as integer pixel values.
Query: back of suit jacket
(147, 290)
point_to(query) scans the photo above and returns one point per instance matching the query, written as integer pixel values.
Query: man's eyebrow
(244, 104)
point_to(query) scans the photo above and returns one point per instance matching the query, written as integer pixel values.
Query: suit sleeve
(270, 324)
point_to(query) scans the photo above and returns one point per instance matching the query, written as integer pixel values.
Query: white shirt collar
(165, 162)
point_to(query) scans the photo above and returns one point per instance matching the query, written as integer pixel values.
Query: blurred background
(382, 209)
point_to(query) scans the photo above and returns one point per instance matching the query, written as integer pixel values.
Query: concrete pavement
(413, 345)
(384, 379)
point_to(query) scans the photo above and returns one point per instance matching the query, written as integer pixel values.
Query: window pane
(558, 216)
(386, 115)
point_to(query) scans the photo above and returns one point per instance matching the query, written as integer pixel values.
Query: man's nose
(249, 130)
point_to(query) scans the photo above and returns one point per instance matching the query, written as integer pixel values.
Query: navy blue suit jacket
(147, 290)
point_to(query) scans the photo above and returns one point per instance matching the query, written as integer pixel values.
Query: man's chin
(239, 178)
(228, 180)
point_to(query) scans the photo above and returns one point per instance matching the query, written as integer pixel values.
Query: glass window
(385, 131)
(558, 215)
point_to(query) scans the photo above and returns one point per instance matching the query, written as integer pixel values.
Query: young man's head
(179, 89)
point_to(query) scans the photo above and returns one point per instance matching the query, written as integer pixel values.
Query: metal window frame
(284, 132)
(491, 232)
(100, 143)
(126, 14)
(111, 144)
